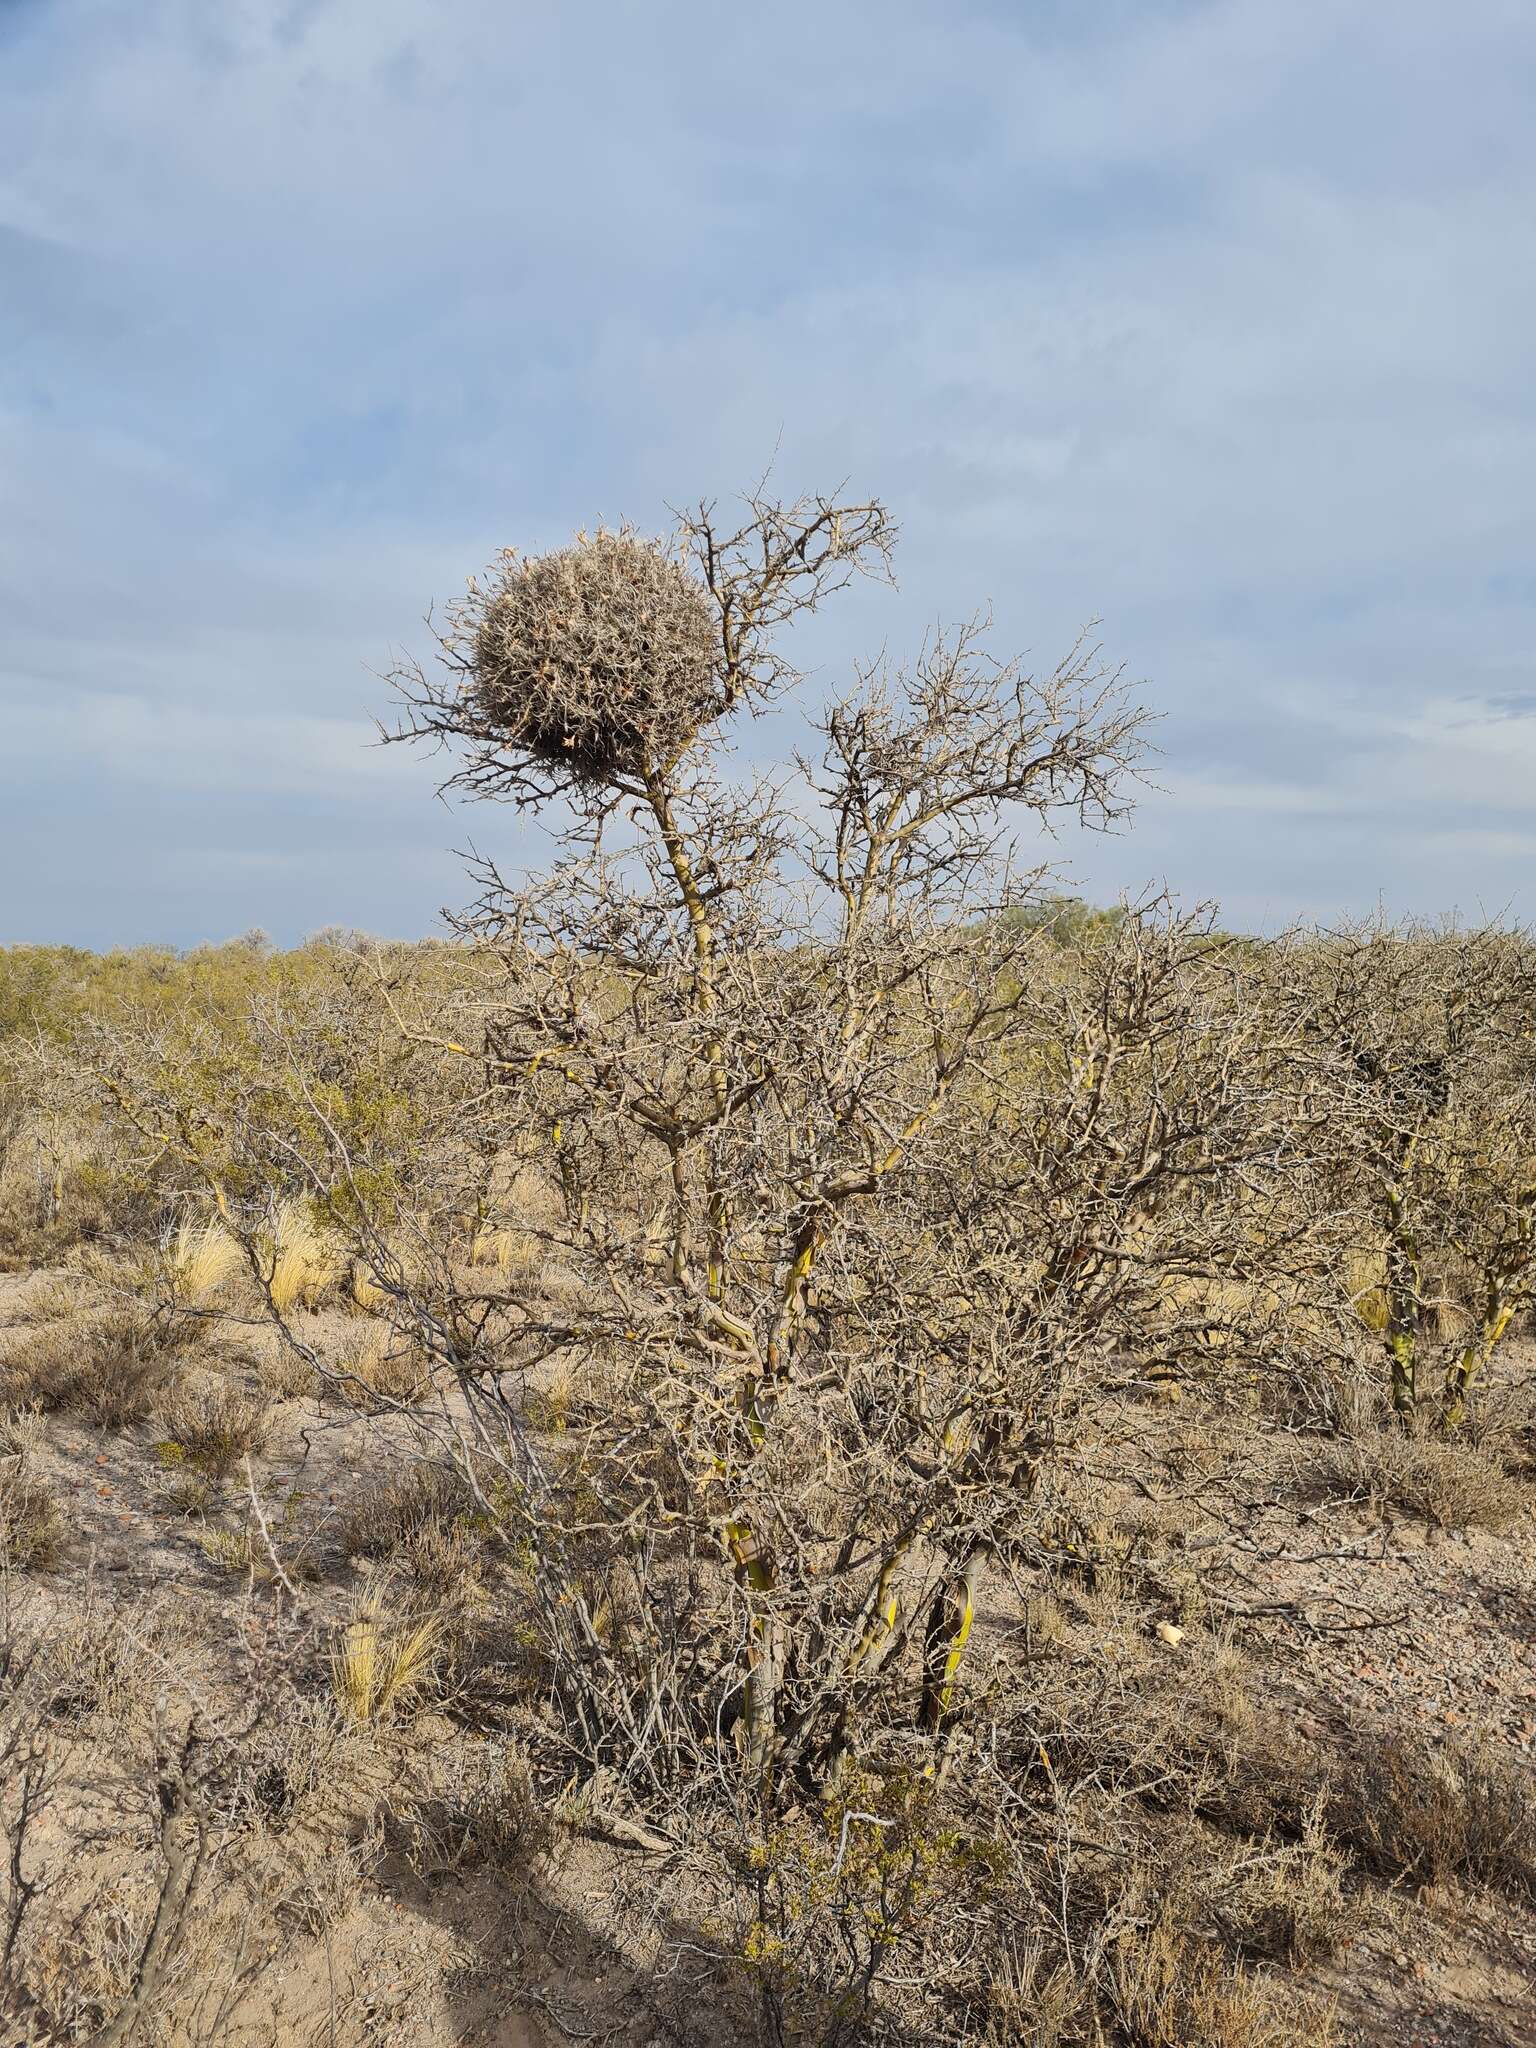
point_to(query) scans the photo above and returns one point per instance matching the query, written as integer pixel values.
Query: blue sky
(1212, 319)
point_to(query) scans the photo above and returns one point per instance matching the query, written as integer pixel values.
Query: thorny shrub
(754, 1210)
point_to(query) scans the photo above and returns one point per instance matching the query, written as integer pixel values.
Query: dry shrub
(78, 1967)
(1462, 1810)
(300, 1766)
(599, 657)
(50, 1298)
(1168, 1727)
(1454, 1485)
(383, 1367)
(1385, 1798)
(100, 1675)
(242, 1545)
(299, 1792)
(424, 1499)
(1214, 1850)
(504, 1819)
(1503, 1424)
(111, 1364)
(1284, 1901)
(211, 1426)
(443, 1561)
(430, 1531)
(189, 1494)
(1035, 2003)
(480, 1808)
(21, 1435)
(1207, 1858)
(31, 1527)
(1320, 1384)
(288, 1376)
(1170, 1989)
(281, 1800)
(314, 1885)
(1082, 1920)
(53, 1197)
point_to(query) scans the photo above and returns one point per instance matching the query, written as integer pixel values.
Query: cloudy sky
(1210, 319)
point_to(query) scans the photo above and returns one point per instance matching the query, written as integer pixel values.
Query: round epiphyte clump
(601, 658)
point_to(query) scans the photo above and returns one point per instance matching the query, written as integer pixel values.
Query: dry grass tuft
(231, 1547)
(383, 1661)
(202, 1259)
(506, 1251)
(1045, 1625)
(189, 1494)
(305, 1262)
(362, 1291)
(548, 1406)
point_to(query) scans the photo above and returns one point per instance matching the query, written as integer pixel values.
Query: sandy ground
(1341, 1615)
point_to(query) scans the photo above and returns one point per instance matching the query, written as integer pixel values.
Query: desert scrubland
(790, 1437)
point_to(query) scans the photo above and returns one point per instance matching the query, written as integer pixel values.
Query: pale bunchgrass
(382, 1661)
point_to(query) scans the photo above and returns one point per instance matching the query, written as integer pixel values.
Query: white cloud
(137, 740)
(1205, 315)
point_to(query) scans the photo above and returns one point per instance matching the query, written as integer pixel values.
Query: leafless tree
(1426, 1141)
(857, 1184)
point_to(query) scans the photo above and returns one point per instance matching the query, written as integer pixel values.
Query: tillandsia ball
(601, 658)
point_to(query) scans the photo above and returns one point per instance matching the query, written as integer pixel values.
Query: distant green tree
(1068, 919)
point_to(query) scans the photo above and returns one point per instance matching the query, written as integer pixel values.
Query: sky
(1209, 320)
